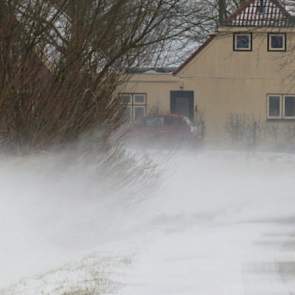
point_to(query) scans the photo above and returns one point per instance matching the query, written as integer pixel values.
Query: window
(242, 42)
(289, 106)
(139, 98)
(281, 106)
(126, 98)
(274, 107)
(135, 104)
(154, 121)
(138, 112)
(277, 42)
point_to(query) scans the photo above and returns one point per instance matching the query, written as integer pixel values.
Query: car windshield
(153, 121)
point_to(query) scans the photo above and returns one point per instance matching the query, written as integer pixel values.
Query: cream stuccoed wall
(227, 82)
(156, 86)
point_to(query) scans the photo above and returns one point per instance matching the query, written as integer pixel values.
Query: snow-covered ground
(210, 222)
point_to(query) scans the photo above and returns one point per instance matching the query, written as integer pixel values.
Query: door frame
(189, 94)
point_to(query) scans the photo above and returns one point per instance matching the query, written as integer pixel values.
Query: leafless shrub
(200, 124)
(243, 129)
(248, 131)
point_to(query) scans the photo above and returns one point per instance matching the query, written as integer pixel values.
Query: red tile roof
(260, 13)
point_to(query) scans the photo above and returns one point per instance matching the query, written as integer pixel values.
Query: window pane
(277, 41)
(290, 106)
(126, 98)
(139, 113)
(127, 116)
(243, 41)
(139, 98)
(274, 106)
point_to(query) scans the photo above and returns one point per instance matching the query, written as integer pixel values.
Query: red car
(163, 129)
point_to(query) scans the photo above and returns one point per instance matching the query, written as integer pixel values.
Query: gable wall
(227, 82)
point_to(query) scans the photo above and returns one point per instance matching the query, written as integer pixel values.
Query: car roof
(166, 115)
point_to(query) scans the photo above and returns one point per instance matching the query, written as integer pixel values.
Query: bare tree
(61, 60)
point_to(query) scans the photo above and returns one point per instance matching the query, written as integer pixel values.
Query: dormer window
(242, 42)
(277, 42)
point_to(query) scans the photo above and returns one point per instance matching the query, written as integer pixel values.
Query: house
(240, 84)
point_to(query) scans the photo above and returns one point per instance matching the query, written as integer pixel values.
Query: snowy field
(204, 222)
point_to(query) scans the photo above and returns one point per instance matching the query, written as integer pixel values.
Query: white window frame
(126, 95)
(235, 41)
(282, 115)
(139, 103)
(282, 49)
(138, 107)
(132, 105)
(281, 107)
(129, 111)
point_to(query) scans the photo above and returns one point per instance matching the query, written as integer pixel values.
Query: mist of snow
(199, 222)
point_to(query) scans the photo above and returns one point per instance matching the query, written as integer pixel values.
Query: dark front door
(182, 102)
